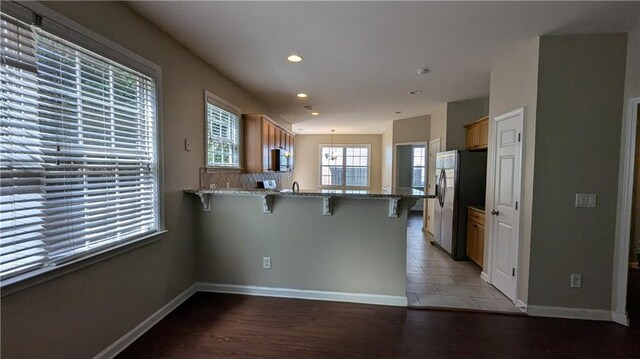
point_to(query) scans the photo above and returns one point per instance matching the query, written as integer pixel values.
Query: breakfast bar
(347, 245)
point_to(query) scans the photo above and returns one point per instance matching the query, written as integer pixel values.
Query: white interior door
(434, 147)
(506, 196)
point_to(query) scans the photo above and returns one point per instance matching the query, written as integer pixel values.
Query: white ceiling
(361, 58)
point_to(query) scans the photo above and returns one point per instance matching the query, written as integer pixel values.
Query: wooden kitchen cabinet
(260, 135)
(477, 134)
(475, 236)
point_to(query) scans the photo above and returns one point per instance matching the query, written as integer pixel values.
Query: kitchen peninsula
(346, 245)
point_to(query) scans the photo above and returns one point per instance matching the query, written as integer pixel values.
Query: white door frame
(428, 147)
(623, 216)
(395, 159)
(487, 270)
(394, 169)
(429, 175)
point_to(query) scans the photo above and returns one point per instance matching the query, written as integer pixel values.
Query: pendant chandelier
(331, 156)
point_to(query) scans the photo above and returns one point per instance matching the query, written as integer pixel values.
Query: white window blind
(223, 133)
(77, 142)
(344, 166)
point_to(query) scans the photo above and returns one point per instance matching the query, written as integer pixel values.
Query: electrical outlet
(187, 145)
(576, 281)
(266, 262)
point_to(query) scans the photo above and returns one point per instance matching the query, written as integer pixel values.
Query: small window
(418, 167)
(344, 166)
(222, 133)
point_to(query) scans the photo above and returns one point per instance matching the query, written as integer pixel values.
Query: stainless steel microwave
(280, 160)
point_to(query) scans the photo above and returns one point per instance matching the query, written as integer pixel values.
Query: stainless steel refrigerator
(461, 181)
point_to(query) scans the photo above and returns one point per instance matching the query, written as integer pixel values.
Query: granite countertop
(479, 207)
(400, 192)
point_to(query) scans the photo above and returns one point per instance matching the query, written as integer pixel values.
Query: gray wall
(632, 89)
(357, 250)
(404, 167)
(580, 97)
(460, 113)
(79, 314)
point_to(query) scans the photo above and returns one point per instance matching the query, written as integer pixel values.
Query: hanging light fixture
(331, 156)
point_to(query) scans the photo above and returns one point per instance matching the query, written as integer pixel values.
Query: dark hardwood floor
(222, 325)
(633, 296)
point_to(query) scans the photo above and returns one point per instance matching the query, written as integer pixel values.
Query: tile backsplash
(242, 180)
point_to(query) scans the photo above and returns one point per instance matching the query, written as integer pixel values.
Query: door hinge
(513, 272)
(519, 139)
(516, 204)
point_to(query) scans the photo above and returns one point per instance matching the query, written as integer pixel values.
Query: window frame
(69, 30)
(413, 166)
(344, 147)
(226, 106)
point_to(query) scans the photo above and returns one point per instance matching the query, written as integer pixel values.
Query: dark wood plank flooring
(221, 325)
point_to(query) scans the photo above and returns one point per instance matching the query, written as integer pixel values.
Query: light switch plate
(588, 200)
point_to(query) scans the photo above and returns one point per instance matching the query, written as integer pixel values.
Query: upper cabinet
(261, 135)
(478, 134)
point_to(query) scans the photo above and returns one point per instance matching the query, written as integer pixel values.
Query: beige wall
(307, 160)
(387, 157)
(359, 249)
(514, 84)
(413, 129)
(438, 125)
(460, 113)
(579, 115)
(79, 314)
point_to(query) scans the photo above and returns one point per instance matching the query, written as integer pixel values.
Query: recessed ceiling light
(302, 95)
(423, 71)
(294, 58)
(398, 112)
(315, 113)
(416, 92)
(301, 129)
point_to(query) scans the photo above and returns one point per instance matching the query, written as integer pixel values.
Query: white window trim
(367, 145)
(227, 106)
(73, 32)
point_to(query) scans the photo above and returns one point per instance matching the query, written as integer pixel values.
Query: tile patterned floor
(436, 280)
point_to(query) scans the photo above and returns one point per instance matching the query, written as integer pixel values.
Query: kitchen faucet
(296, 187)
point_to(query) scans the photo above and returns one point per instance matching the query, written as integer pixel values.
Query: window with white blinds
(223, 133)
(78, 165)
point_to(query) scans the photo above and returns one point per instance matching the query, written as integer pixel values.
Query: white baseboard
(620, 318)
(123, 342)
(484, 276)
(569, 313)
(379, 299)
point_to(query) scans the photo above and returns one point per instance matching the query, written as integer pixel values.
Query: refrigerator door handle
(442, 184)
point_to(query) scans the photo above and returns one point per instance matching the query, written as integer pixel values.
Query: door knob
(495, 212)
